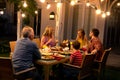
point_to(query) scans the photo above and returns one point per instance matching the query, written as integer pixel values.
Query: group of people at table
(26, 51)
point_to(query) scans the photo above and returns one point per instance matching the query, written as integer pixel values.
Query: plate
(65, 53)
(47, 58)
(46, 53)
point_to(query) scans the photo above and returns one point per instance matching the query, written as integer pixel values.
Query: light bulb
(88, 4)
(102, 0)
(25, 4)
(1, 12)
(58, 4)
(36, 12)
(98, 11)
(48, 6)
(72, 3)
(118, 4)
(23, 15)
(103, 15)
(108, 13)
(42, 1)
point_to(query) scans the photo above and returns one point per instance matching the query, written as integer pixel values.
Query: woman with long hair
(82, 38)
(48, 37)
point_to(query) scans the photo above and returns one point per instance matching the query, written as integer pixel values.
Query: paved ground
(114, 59)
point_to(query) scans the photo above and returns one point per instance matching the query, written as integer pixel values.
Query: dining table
(48, 63)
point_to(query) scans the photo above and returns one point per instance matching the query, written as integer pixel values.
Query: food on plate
(47, 57)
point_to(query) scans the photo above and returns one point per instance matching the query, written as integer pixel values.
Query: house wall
(86, 19)
(45, 16)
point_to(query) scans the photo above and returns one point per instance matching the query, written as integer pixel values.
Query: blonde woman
(48, 37)
(82, 38)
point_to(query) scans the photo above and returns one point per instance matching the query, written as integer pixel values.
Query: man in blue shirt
(26, 52)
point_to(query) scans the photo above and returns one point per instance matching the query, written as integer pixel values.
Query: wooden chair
(37, 41)
(85, 69)
(99, 66)
(12, 45)
(7, 71)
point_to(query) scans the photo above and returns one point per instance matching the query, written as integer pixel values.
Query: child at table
(76, 56)
(75, 59)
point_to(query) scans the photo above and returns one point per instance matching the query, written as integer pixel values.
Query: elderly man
(26, 52)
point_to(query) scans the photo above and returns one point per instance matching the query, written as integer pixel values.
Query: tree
(32, 6)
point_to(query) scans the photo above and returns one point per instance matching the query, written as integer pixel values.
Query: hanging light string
(96, 4)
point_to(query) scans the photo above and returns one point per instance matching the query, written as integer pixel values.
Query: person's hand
(94, 51)
(56, 41)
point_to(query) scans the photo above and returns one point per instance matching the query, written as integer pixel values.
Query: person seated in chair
(48, 39)
(26, 52)
(76, 56)
(95, 45)
(75, 59)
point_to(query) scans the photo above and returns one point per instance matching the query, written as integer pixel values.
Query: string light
(103, 15)
(1, 12)
(42, 1)
(56, 0)
(88, 4)
(23, 15)
(118, 4)
(36, 12)
(58, 4)
(48, 6)
(98, 11)
(25, 4)
(108, 13)
(72, 2)
(102, 0)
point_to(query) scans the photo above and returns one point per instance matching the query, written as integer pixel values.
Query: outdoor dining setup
(62, 40)
(68, 57)
(60, 55)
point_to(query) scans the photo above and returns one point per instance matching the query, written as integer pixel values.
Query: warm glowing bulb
(102, 0)
(118, 4)
(107, 13)
(72, 3)
(25, 4)
(58, 4)
(42, 1)
(98, 11)
(1, 12)
(23, 15)
(36, 12)
(48, 6)
(88, 4)
(103, 15)
(55, 0)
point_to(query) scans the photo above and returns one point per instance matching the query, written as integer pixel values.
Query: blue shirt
(26, 52)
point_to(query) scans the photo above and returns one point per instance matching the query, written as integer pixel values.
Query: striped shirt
(76, 58)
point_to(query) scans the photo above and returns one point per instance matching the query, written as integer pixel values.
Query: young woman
(82, 39)
(48, 37)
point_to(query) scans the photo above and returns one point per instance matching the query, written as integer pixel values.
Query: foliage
(26, 20)
(32, 6)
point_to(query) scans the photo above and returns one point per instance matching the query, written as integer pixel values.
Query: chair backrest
(6, 69)
(86, 66)
(105, 56)
(37, 41)
(99, 66)
(87, 60)
(12, 45)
